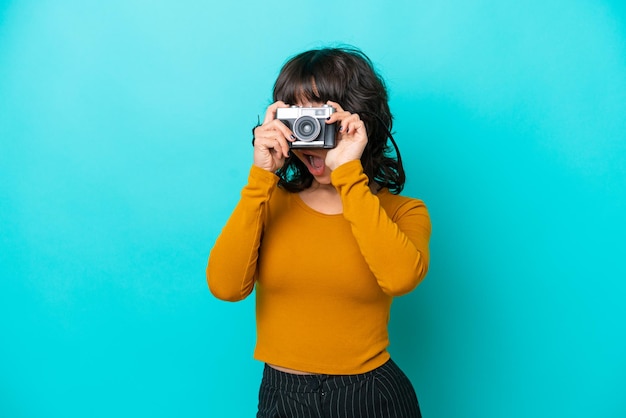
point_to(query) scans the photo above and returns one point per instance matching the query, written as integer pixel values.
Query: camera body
(309, 125)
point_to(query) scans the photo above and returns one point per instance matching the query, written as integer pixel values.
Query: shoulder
(397, 205)
(280, 198)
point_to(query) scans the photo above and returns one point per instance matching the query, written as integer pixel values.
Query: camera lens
(306, 128)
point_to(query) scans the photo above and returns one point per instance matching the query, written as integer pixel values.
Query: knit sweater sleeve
(232, 267)
(394, 245)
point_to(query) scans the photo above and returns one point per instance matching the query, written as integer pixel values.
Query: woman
(327, 242)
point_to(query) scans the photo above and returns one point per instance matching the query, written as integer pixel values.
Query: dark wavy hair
(347, 76)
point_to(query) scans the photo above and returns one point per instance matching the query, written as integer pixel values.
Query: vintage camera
(309, 125)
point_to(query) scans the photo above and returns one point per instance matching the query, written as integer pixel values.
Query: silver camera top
(309, 125)
(294, 112)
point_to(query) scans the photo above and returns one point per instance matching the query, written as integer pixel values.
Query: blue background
(125, 140)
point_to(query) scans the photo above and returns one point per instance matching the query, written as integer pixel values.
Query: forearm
(396, 250)
(231, 269)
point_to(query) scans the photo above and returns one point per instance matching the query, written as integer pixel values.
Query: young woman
(327, 242)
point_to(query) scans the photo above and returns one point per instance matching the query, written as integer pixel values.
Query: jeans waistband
(303, 383)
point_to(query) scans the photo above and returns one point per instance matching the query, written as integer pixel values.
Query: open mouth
(314, 163)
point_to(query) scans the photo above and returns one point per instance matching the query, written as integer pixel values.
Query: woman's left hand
(351, 137)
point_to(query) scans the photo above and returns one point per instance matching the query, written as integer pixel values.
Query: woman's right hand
(271, 140)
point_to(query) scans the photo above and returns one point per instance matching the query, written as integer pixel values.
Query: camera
(309, 125)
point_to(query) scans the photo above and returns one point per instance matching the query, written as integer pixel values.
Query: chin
(323, 180)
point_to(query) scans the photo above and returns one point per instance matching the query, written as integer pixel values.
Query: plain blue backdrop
(125, 141)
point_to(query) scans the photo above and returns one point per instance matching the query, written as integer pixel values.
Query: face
(314, 159)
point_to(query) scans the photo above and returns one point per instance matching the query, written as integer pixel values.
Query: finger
(336, 105)
(270, 113)
(356, 127)
(274, 128)
(283, 129)
(339, 118)
(338, 113)
(349, 123)
(282, 147)
(273, 142)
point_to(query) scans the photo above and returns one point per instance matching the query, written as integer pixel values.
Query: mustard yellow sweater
(324, 283)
